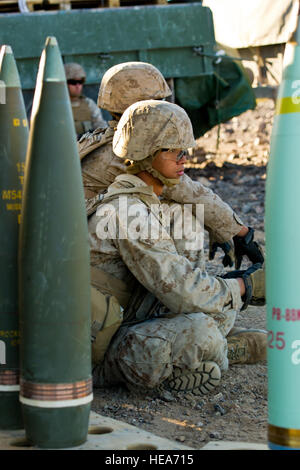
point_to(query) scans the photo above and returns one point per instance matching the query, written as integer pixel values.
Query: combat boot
(246, 346)
(199, 381)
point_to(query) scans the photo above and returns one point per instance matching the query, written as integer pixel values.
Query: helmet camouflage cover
(74, 71)
(129, 82)
(150, 125)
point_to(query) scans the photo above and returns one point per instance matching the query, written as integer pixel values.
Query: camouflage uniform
(87, 116)
(142, 353)
(191, 312)
(122, 85)
(100, 166)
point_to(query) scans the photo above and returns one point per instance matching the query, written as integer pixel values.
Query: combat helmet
(129, 82)
(147, 127)
(74, 71)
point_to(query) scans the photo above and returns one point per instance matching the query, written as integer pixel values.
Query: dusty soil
(231, 159)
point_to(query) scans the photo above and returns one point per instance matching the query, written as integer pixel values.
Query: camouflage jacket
(100, 166)
(163, 265)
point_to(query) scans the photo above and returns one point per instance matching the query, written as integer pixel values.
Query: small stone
(247, 208)
(219, 409)
(218, 397)
(199, 405)
(167, 396)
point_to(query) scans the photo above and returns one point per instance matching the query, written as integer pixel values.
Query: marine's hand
(246, 246)
(254, 280)
(227, 247)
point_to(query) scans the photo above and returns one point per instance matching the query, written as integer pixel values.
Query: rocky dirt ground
(232, 161)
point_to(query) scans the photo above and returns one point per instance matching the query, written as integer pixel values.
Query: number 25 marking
(276, 341)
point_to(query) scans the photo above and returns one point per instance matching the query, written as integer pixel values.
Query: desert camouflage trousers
(143, 355)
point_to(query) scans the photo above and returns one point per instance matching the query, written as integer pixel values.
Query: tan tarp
(241, 23)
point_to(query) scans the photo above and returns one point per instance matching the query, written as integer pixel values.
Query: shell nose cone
(7, 49)
(8, 68)
(51, 65)
(51, 41)
(51, 71)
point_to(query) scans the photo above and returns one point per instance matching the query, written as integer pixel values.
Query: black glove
(228, 249)
(254, 280)
(246, 246)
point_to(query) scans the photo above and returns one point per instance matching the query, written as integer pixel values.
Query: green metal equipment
(13, 144)
(54, 281)
(177, 38)
(282, 266)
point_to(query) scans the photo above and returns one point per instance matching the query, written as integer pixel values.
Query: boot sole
(199, 382)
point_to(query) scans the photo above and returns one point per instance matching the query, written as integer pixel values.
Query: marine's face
(170, 163)
(75, 87)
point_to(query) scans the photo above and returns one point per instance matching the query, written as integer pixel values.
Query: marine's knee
(201, 340)
(145, 360)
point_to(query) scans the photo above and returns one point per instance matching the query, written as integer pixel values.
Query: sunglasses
(181, 154)
(75, 82)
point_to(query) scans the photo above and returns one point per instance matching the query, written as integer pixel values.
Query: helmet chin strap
(146, 165)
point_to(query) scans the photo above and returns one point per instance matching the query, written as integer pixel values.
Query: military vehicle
(178, 38)
(256, 32)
